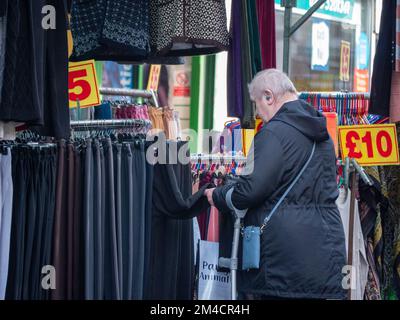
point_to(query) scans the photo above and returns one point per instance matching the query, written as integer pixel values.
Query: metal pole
(306, 16)
(289, 30)
(286, 34)
(234, 258)
(351, 229)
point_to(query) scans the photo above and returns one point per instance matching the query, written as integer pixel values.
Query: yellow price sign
(82, 84)
(370, 145)
(345, 54)
(154, 77)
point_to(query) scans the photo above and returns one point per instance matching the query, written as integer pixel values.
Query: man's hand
(209, 194)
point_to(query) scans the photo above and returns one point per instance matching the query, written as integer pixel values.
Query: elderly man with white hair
(290, 199)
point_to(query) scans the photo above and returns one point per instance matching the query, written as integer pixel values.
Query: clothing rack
(350, 107)
(112, 124)
(337, 94)
(148, 94)
(216, 157)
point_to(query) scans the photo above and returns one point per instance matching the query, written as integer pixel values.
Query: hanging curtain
(244, 53)
(266, 27)
(234, 69)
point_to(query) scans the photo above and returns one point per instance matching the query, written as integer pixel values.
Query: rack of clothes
(113, 223)
(352, 108)
(119, 104)
(215, 169)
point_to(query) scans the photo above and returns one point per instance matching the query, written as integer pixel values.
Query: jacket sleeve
(262, 178)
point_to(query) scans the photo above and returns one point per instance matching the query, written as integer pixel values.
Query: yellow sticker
(82, 84)
(154, 77)
(370, 145)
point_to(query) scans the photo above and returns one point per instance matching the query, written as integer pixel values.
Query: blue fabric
(103, 111)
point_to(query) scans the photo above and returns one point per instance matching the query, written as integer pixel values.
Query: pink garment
(395, 98)
(266, 26)
(213, 226)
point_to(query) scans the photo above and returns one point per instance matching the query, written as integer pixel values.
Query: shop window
(332, 50)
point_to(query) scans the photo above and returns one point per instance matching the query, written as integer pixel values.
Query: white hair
(271, 79)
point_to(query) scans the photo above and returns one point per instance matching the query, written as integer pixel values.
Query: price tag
(82, 84)
(370, 145)
(154, 77)
(345, 54)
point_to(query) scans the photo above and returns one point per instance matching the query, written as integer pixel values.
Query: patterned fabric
(110, 28)
(86, 21)
(380, 214)
(186, 28)
(392, 177)
(372, 289)
(370, 215)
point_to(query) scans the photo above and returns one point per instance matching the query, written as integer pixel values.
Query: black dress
(35, 83)
(171, 268)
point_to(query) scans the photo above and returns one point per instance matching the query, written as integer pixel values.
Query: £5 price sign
(82, 84)
(370, 145)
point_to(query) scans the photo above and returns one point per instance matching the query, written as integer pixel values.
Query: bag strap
(288, 189)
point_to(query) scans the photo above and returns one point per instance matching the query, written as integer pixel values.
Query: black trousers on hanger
(127, 200)
(17, 246)
(88, 221)
(34, 174)
(97, 227)
(111, 272)
(117, 148)
(139, 217)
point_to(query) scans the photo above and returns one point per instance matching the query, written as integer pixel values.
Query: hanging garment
(36, 63)
(380, 224)
(266, 26)
(110, 30)
(60, 224)
(78, 271)
(188, 28)
(156, 117)
(254, 35)
(213, 227)
(34, 184)
(384, 60)
(397, 63)
(171, 259)
(148, 226)
(359, 263)
(202, 219)
(6, 196)
(3, 33)
(234, 72)
(395, 97)
(248, 68)
(139, 219)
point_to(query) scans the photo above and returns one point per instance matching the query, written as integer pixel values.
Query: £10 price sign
(370, 145)
(82, 84)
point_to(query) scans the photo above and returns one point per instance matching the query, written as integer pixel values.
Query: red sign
(361, 80)
(182, 84)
